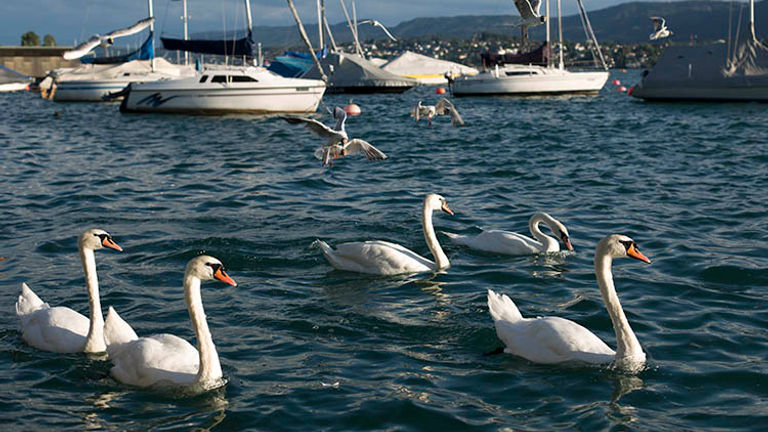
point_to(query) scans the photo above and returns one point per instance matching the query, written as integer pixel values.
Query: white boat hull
(12, 87)
(267, 93)
(515, 80)
(87, 90)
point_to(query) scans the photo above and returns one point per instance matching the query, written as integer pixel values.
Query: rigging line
(730, 19)
(738, 30)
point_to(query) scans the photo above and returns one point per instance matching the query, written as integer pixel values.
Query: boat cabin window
(521, 73)
(242, 78)
(219, 79)
(204, 79)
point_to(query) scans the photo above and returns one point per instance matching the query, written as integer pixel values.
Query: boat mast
(549, 46)
(591, 33)
(320, 14)
(560, 65)
(752, 20)
(358, 48)
(186, 30)
(152, 35)
(304, 36)
(248, 16)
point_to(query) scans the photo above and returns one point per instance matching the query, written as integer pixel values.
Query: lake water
(306, 347)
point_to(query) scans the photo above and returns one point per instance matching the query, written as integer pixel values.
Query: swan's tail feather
(502, 308)
(28, 301)
(116, 330)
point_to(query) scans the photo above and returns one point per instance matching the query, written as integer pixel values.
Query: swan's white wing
(446, 107)
(116, 330)
(502, 242)
(359, 146)
(57, 329)
(162, 358)
(341, 116)
(376, 257)
(139, 26)
(83, 49)
(315, 126)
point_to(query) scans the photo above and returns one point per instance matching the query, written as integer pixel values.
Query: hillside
(625, 23)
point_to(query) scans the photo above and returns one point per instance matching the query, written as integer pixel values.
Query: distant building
(35, 60)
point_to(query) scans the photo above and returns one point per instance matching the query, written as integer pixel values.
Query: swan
(165, 359)
(556, 340)
(385, 258)
(509, 243)
(61, 329)
(338, 144)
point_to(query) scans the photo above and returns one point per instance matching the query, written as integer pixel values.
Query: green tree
(49, 40)
(30, 38)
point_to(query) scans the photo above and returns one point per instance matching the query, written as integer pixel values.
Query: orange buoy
(622, 89)
(616, 82)
(440, 90)
(352, 109)
(623, 71)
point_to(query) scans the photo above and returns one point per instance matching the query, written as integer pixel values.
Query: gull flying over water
(444, 107)
(660, 29)
(339, 144)
(106, 40)
(376, 23)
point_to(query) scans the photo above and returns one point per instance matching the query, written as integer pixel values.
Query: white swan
(60, 329)
(509, 243)
(165, 359)
(385, 258)
(554, 339)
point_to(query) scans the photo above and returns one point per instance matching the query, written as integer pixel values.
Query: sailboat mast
(560, 64)
(320, 13)
(248, 16)
(752, 20)
(152, 35)
(352, 29)
(549, 46)
(304, 36)
(186, 30)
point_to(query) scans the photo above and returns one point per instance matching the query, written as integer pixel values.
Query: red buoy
(616, 82)
(631, 89)
(622, 89)
(440, 90)
(352, 109)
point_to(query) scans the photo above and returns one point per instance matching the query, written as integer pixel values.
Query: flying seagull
(529, 12)
(444, 107)
(376, 23)
(660, 29)
(339, 144)
(106, 40)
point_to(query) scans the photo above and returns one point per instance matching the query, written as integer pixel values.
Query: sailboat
(534, 79)
(714, 72)
(222, 88)
(352, 72)
(98, 78)
(10, 80)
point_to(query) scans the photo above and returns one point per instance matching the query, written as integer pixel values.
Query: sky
(71, 20)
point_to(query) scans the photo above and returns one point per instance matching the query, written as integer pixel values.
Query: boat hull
(12, 87)
(87, 90)
(701, 94)
(529, 81)
(284, 95)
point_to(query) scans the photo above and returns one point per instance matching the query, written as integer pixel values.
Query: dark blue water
(306, 347)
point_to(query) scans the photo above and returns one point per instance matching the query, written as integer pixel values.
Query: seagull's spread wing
(536, 6)
(416, 111)
(82, 49)
(658, 23)
(341, 116)
(446, 107)
(315, 126)
(139, 26)
(359, 146)
(526, 9)
(376, 23)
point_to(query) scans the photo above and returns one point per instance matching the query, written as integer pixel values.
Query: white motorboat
(531, 79)
(715, 72)
(226, 89)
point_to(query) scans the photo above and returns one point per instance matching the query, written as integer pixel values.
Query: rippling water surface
(306, 347)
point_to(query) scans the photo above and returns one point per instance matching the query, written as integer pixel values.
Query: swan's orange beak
(446, 209)
(567, 242)
(224, 277)
(109, 243)
(636, 254)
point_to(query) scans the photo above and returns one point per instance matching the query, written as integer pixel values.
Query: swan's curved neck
(627, 345)
(441, 259)
(210, 368)
(94, 342)
(549, 243)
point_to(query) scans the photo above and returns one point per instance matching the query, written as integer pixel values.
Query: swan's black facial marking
(628, 244)
(215, 266)
(104, 237)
